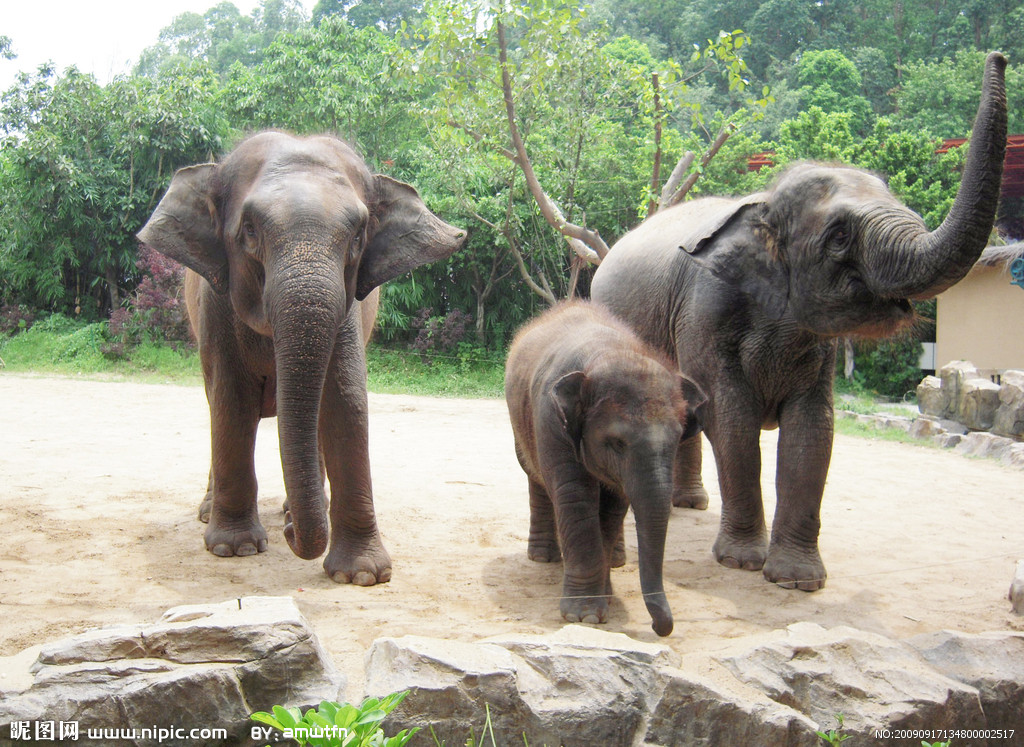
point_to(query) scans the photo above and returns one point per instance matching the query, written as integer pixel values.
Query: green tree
(221, 36)
(82, 167)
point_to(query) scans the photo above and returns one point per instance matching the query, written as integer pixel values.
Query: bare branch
(675, 178)
(652, 205)
(542, 289)
(586, 243)
(677, 196)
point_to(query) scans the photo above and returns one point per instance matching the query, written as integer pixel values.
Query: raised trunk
(651, 499)
(924, 264)
(304, 314)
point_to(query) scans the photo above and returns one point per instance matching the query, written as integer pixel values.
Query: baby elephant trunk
(651, 498)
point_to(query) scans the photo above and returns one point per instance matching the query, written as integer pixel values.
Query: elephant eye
(616, 444)
(839, 238)
(248, 229)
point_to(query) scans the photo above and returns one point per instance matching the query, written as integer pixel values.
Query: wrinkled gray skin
(597, 418)
(750, 296)
(287, 234)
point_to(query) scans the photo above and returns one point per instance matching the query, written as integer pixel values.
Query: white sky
(102, 37)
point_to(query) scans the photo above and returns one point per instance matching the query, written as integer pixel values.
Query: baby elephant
(597, 416)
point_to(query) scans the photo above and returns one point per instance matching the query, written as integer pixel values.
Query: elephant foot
(361, 562)
(795, 569)
(744, 552)
(543, 550)
(584, 609)
(691, 496)
(206, 508)
(226, 537)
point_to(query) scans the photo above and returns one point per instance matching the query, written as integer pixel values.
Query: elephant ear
(695, 403)
(405, 235)
(184, 225)
(736, 244)
(568, 396)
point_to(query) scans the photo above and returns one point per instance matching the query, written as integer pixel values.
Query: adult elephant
(750, 296)
(281, 239)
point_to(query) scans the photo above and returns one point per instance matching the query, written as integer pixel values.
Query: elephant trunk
(922, 264)
(305, 308)
(651, 499)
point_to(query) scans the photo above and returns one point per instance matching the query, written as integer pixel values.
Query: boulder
(579, 686)
(986, 445)
(932, 399)
(978, 403)
(952, 376)
(1009, 417)
(200, 666)
(993, 663)
(698, 710)
(876, 683)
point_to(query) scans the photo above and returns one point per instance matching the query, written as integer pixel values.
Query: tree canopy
(600, 101)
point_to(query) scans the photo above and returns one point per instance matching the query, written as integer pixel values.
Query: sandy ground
(100, 482)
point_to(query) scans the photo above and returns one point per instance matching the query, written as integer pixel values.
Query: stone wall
(961, 394)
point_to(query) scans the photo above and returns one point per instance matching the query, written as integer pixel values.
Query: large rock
(876, 683)
(953, 375)
(978, 403)
(699, 710)
(932, 399)
(199, 667)
(582, 686)
(993, 663)
(1009, 418)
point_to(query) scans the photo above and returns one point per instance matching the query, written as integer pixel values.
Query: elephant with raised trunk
(282, 239)
(597, 417)
(750, 295)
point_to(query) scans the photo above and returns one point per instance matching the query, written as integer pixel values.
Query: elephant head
(290, 231)
(835, 250)
(626, 419)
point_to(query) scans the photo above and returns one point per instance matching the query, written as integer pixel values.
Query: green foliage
(469, 371)
(62, 345)
(834, 737)
(220, 37)
(82, 167)
(338, 725)
(890, 367)
(940, 97)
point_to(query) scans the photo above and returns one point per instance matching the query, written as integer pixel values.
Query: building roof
(1013, 165)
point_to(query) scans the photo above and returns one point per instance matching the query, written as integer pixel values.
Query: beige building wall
(981, 319)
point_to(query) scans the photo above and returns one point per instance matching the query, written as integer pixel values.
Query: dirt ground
(100, 482)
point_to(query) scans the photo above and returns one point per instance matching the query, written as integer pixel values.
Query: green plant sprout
(337, 725)
(835, 736)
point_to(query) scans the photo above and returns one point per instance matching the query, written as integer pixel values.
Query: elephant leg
(585, 579)
(543, 543)
(742, 537)
(613, 514)
(206, 505)
(233, 527)
(805, 450)
(689, 487)
(356, 553)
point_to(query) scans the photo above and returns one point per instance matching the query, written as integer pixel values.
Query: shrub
(439, 334)
(15, 318)
(333, 724)
(155, 312)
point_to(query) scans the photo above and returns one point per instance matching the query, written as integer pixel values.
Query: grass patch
(850, 427)
(62, 346)
(473, 373)
(66, 347)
